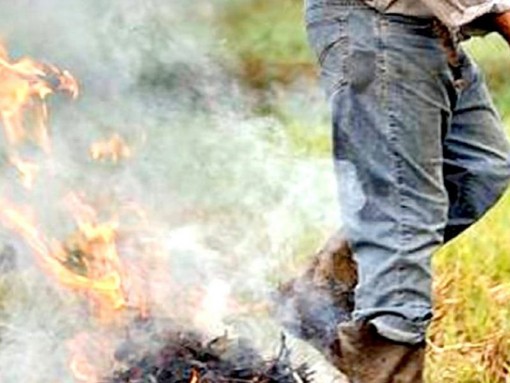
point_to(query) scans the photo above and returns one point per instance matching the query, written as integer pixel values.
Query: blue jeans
(418, 158)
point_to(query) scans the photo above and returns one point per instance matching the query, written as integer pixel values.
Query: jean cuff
(399, 329)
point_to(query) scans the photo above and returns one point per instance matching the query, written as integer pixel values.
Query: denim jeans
(418, 158)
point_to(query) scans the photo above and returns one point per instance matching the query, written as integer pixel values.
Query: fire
(87, 262)
(92, 253)
(195, 377)
(24, 86)
(113, 149)
(27, 170)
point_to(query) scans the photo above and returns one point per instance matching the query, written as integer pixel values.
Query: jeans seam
(398, 200)
(344, 46)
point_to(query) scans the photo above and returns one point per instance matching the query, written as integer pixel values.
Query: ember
(186, 358)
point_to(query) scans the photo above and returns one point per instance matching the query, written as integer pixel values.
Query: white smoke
(228, 198)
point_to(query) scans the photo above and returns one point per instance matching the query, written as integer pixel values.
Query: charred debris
(184, 357)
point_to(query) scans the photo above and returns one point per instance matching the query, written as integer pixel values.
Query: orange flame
(87, 262)
(113, 149)
(24, 87)
(195, 377)
(27, 170)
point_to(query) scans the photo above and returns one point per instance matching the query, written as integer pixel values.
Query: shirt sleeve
(457, 13)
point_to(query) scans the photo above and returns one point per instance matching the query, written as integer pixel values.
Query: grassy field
(470, 339)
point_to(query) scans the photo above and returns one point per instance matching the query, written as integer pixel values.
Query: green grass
(493, 56)
(269, 38)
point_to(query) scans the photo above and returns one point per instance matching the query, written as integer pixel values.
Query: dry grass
(469, 340)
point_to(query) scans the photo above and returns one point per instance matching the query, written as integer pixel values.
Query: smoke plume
(225, 199)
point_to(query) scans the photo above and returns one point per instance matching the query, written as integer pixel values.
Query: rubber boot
(364, 356)
(312, 305)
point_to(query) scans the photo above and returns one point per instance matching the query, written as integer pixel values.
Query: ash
(185, 357)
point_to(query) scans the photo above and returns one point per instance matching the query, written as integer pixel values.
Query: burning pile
(89, 260)
(185, 357)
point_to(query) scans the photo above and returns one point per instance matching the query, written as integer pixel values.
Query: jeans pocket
(328, 40)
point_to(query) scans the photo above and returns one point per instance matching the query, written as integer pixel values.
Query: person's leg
(477, 154)
(391, 107)
(391, 93)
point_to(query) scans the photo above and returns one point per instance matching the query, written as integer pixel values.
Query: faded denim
(419, 159)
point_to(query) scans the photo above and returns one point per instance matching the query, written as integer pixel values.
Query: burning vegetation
(185, 357)
(89, 260)
(25, 85)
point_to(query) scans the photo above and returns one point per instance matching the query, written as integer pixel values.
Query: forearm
(502, 25)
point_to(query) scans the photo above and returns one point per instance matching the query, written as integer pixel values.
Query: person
(420, 153)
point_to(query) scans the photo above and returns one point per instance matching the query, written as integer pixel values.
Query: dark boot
(364, 356)
(312, 305)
